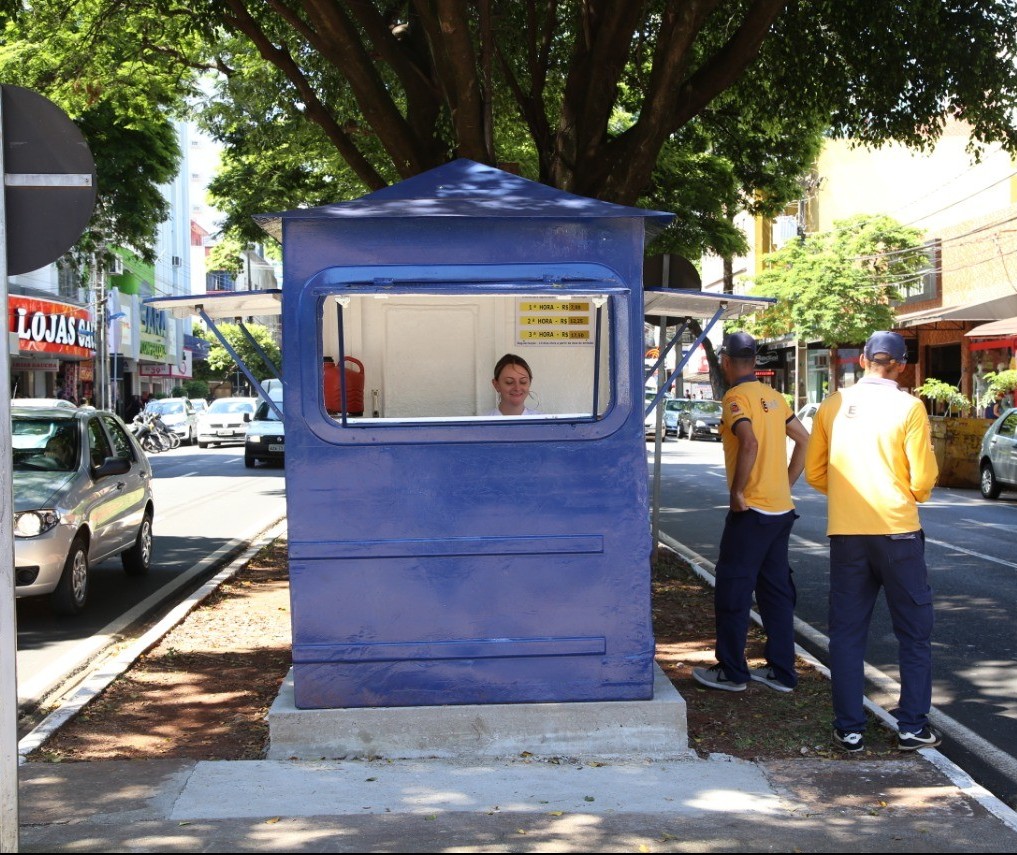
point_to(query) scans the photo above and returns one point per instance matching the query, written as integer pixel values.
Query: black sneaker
(849, 741)
(715, 678)
(925, 738)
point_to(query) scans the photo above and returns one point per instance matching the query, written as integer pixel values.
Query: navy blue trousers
(859, 566)
(753, 559)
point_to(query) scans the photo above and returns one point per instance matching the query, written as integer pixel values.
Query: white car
(266, 434)
(226, 421)
(178, 415)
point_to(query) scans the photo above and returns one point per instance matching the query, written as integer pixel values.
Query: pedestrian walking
(871, 454)
(755, 426)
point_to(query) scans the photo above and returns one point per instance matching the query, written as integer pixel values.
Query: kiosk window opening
(398, 358)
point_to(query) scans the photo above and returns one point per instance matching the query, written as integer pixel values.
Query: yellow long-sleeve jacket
(871, 453)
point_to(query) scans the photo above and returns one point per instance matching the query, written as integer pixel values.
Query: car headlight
(34, 523)
(254, 438)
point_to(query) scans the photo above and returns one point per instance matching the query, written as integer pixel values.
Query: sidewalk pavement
(524, 804)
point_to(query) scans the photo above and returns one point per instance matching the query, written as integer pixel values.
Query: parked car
(650, 421)
(266, 434)
(997, 460)
(226, 421)
(178, 415)
(806, 414)
(82, 493)
(200, 405)
(701, 420)
(673, 408)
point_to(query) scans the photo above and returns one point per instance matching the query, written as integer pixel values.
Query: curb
(98, 680)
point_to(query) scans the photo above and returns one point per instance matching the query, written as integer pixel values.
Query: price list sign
(554, 321)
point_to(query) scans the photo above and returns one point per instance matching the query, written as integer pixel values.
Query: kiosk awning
(677, 303)
(230, 305)
(221, 304)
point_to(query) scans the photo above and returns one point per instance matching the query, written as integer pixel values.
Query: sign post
(47, 199)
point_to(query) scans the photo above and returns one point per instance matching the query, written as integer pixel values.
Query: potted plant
(939, 392)
(1000, 385)
(956, 437)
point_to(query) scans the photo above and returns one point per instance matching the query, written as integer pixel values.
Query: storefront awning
(995, 309)
(1006, 328)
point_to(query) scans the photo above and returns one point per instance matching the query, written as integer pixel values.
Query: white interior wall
(434, 356)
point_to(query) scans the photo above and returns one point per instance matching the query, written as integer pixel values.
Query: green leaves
(840, 286)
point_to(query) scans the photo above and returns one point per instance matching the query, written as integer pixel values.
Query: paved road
(972, 556)
(205, 502)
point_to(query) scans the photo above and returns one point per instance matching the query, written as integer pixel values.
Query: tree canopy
(399, 87)
(839, 286)
(219, 359)
(122, 93)
(700, 106)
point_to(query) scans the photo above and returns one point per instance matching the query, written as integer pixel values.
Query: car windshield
(225, 405)
(266, 413)
(706, 408)
(44, 444)
(165, 408)
(673, 405)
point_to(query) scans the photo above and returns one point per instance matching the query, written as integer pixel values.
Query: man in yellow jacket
(755, 428)
(871, 454)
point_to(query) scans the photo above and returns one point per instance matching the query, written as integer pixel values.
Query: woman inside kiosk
(512, 378)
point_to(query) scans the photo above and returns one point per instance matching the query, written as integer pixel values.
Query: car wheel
(250, 462)
(138, 558)
(990, 486)
(204, 444)
(71, 593)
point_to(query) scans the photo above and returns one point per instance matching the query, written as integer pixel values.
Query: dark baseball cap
(740, 345)
(890, 343)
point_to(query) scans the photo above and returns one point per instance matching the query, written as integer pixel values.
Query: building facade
(967, 209)
(99, 344)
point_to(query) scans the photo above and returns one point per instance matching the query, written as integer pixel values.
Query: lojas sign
(47, 326)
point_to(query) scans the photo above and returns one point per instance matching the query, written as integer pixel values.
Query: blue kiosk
(440, 553)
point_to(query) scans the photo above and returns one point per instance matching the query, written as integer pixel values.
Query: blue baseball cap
(890, 343)
(739, 345)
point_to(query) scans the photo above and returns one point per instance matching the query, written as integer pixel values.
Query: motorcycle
(149, 437)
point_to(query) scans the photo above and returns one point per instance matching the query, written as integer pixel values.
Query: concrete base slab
(655, 729)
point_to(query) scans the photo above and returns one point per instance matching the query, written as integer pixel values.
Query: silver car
(82, 494)
(997, 459)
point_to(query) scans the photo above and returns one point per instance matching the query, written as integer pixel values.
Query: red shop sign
(46, 326)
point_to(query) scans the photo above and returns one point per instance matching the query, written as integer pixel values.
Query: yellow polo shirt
(871, 453)
(767, 489)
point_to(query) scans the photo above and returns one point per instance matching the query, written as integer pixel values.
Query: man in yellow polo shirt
(871, 453)
(755, 425)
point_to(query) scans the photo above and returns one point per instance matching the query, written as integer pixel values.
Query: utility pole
(101, 391)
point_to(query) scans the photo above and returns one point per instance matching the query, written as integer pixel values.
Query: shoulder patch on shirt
(734, 408)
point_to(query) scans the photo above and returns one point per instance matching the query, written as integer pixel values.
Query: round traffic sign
(49, 179)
